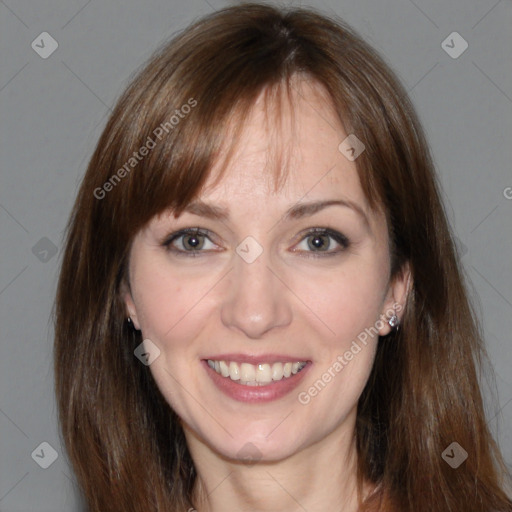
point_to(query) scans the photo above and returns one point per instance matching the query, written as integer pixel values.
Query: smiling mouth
(256, 374)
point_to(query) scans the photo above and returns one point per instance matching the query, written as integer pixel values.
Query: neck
(317, 478)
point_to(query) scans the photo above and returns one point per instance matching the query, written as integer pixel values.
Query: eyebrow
(296, 211)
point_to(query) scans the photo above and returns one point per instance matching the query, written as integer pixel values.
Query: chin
(258, 446)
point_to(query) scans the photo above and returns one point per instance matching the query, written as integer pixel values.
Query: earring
(130, 323)
(393, 321)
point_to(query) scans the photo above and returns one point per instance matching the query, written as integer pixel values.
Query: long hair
(124, 441)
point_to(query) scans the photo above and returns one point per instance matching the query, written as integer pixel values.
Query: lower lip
(266, 393)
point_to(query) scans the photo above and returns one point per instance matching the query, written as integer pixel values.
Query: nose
(257, 300)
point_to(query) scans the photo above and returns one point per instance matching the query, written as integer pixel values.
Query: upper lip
(256, 359)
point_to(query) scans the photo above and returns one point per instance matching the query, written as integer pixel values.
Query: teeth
(247, 372)
(277, 371)
(224, 369)
(264, 373)
(234, 371)
(255, 375)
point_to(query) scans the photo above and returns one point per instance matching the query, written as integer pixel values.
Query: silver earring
(393, 321)
(129, 320)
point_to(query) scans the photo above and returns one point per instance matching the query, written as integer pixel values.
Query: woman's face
(258, 294)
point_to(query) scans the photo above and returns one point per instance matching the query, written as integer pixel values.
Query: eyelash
(335, 235)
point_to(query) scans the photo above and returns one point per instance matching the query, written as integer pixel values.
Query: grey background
(53, 111)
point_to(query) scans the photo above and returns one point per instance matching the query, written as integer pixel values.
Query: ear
(131, 311)
(396, 299)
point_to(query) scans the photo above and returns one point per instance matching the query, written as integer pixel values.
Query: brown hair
(125, 443)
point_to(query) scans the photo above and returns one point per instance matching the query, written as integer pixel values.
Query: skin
(309, 308)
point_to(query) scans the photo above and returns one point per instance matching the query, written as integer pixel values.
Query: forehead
(288, 149)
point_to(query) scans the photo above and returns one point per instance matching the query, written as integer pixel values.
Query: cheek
(153, 293)
(345, 301)
(169, 305)
(349, 306)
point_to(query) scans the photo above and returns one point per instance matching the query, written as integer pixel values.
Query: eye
(319, 242)
(188, 242)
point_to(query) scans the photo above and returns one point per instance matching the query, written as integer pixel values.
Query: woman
(260, 304)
